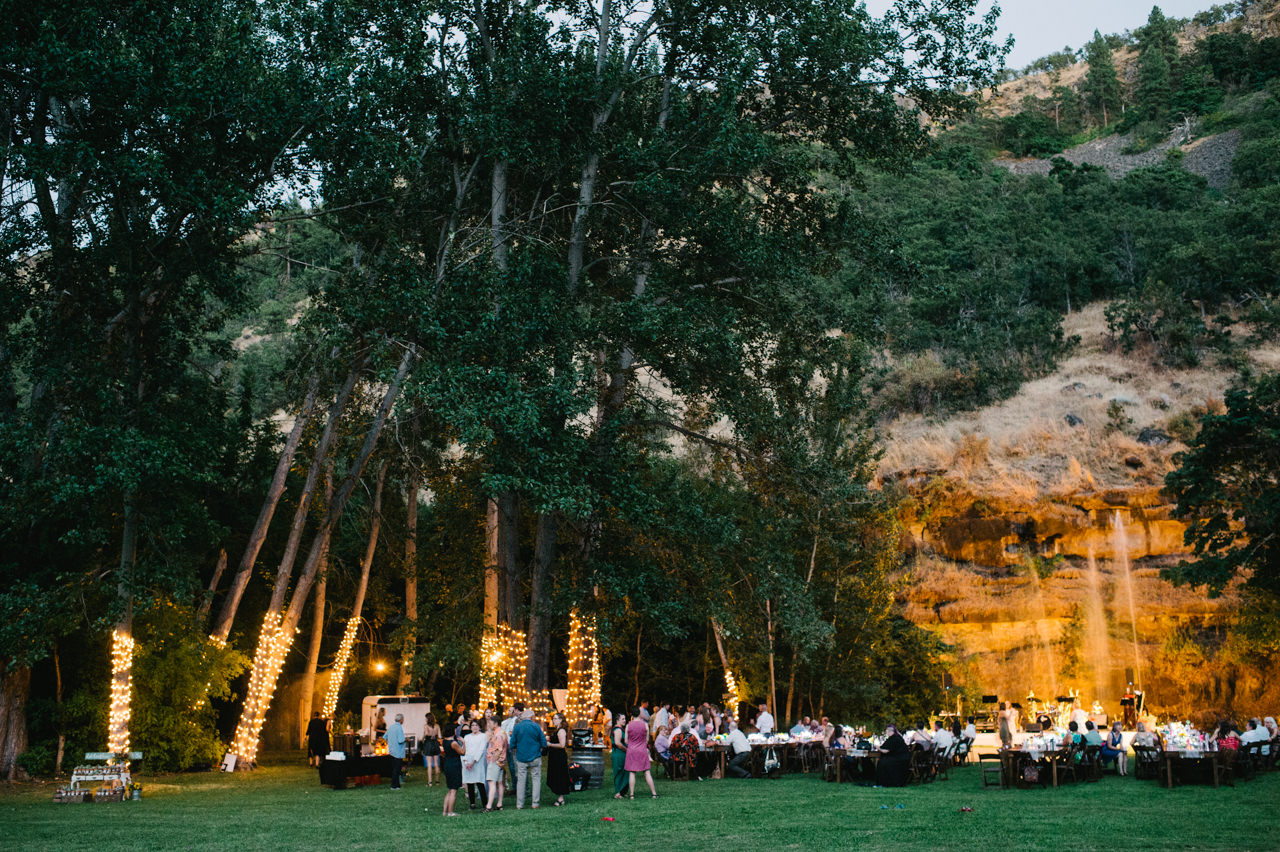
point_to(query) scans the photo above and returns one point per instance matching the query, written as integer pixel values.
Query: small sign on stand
(229, 762)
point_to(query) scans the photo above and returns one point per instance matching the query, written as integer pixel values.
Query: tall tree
(133, 168)
(1227, 487)
(1101, 85)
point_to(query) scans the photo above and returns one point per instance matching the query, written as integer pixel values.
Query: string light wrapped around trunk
(268, 660)
(734, 697)
(584, 669)
(504, 657)
(339, 672)
(121, 689)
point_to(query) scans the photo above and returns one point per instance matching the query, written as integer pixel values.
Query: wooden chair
(1148, 763)
(963, 749)
(921, 765)
(1091, 763)
(992, 768)
(941, 763)
(1067, 760)
(1226, 764)
(1248, 760)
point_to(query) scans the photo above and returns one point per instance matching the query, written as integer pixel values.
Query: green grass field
(282, 806)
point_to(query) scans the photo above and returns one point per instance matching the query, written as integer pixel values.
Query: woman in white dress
(474, 763)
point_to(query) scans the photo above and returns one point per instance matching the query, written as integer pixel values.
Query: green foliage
(1225, 488)
(1101, 88)
(176, 672)
(1044, 566)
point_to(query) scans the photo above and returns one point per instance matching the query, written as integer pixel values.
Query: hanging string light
(121, 689)
(504, 657)
(340, 667)
(268, 660)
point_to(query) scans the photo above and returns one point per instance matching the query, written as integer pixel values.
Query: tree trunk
(122, 636)
(285, 571)
(202, 616)
(276, 638)
(57, 697)
(791, 686)
(509, 568)
(339, 672)
(410, 581)
(773, 689)
(227, 614)
(635, 702)
(317, 626)
(538, 675)
(491, 571)
(15, 689)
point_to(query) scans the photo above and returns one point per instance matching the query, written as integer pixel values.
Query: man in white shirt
(970, 731)
(1255, 733)
(740, 763)
(764, 722)
(942, 738)
(662, 717)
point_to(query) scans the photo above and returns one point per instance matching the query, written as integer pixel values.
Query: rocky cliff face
(1036, 530)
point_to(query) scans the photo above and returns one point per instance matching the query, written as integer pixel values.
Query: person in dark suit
(317, 738)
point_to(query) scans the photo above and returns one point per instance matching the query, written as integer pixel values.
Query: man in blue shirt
(528, 743)
(395, 748)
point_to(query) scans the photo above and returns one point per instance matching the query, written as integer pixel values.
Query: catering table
(335, 773)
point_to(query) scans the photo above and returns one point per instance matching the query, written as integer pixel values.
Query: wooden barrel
(591, 759)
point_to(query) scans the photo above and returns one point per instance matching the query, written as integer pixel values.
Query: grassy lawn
(282, 806)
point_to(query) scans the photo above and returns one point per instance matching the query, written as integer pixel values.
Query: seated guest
(684, 749)
(970, 730)
(943, 740)
(1114, 749)
(740, 762)
(800, 727)
(817, 726)
(1254, 732)
(1227, 738)
(895, 760)
(662, 743)
(1091, 735)
(1143, 737)
(920, 737)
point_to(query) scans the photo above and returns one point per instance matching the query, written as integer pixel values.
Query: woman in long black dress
(454, 748)
(895, 760)
(558, 760)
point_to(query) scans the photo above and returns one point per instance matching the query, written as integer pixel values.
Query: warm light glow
(268, 660)
(339, 672)
(379, 667)
(121, 688)
(504, 656)
(734, 696)
(584, 669)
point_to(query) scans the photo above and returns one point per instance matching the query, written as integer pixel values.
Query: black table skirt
(334, 773)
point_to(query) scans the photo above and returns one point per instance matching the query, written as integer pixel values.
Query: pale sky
(1040, 27)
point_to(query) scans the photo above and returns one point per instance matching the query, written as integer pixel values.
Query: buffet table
(336, 773)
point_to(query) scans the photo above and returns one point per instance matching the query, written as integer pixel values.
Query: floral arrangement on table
(1183, 736)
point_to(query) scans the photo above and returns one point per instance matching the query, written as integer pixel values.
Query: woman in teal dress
(618, 755)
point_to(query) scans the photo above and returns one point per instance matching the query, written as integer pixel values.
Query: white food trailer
(414, 707)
